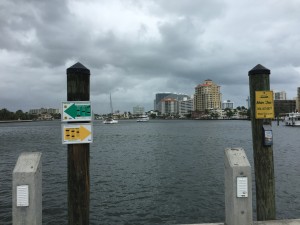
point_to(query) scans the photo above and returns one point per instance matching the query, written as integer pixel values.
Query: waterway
(159, 172)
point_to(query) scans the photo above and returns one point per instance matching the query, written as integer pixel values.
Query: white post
(238, 188)
(27, 189)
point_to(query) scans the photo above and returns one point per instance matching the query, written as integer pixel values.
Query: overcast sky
(136, 48)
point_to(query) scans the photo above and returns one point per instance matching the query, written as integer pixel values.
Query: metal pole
(263, 155)
(78, 89)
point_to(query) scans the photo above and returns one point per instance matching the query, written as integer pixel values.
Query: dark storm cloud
(137, 48)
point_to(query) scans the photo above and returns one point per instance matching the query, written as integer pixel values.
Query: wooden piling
(263, 155)
(78, 89)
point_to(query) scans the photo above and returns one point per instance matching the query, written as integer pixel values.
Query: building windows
(207, 96)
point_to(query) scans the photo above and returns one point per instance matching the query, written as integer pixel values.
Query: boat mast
(111, 107)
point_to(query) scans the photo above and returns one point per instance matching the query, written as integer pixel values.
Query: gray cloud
(137, 48)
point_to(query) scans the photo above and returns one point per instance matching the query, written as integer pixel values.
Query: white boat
(110, 120)
(292, 119)
(143, 118)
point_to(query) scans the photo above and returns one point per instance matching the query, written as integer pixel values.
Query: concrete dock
(270, 222)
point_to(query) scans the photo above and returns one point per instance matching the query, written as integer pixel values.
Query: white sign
(76, 111)
(22, 195)
(77, 133)
(242, 187)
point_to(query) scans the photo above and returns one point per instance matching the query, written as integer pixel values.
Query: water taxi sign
(264, 105)
(75, 133)
(76, 111)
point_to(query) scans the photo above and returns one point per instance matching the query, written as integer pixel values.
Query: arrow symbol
(84, 133)
(77, 133)
(72, 111)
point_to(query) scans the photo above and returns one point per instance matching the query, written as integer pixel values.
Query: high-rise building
(207, 96)
(227, 104)
(284, 106)
(280, 95)
(138, 110)
(160, 99)
(298, 100)
(169, 106)
(185, 106)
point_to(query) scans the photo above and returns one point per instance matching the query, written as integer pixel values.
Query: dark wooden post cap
(259, 69)
(78, 68)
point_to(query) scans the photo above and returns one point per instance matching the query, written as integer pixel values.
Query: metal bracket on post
(238, 188)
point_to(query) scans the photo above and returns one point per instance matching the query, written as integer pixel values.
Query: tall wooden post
(78, 89)
(263, 155)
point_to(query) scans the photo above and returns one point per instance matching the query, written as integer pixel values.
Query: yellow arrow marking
(84, 133)
(72, 134)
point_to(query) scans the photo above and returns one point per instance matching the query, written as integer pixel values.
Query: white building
(185, 106)
(138, 110)
(227, 104)
(160, 100)
(169, 106)
(281, 95)
(43, 111)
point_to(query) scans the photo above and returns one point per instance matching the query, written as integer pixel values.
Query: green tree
(229, 114)
(5, 114)
(152, 115)
(19, 115)
(189, 115)
(214, 115)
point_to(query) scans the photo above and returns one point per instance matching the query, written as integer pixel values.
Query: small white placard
(22, 195)
(242, 187)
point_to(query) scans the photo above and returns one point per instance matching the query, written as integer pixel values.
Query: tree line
(5, 114)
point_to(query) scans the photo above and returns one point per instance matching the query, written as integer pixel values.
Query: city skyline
(186, 101)
(136, 48)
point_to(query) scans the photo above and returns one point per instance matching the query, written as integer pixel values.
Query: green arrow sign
(72, 111)
(79, 111)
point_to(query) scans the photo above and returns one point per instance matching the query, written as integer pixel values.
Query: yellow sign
(264, 105)
(77, 133)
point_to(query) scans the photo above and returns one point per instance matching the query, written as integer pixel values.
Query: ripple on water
(161, 172)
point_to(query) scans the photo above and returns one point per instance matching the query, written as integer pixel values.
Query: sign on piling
(264, 105)
(78, 137)
(74, 133)
(261, 114)
(76, 111)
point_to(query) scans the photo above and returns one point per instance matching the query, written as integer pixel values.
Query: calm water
(161, 172)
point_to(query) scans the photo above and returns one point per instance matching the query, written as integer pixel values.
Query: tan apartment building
(169, 106)
(207, 96)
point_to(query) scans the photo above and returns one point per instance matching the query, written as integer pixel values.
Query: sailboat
(110, 120)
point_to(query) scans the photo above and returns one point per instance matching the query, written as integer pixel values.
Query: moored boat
(110, 121)
(143, 118)
(292, 119)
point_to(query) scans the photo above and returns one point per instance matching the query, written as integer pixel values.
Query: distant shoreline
(14, 121)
